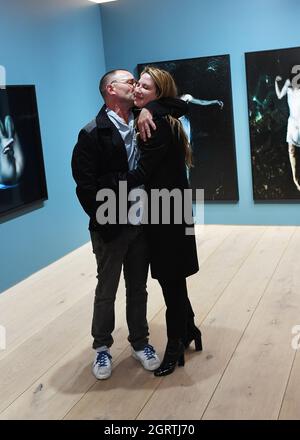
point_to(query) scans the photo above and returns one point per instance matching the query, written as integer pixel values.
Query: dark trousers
(179, 311)
(129, 250)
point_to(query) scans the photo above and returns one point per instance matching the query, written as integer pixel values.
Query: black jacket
(100, 153)
(173, 253)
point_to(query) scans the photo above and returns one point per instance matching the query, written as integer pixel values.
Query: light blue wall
(56, 45)
(136, 31)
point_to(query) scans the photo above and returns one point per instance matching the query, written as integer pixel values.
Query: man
(105, 146)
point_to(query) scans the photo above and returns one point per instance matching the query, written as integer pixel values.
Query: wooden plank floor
(247, 300)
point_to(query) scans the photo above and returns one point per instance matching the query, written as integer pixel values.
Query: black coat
(99, 150)
(100, 153)
(173, 253)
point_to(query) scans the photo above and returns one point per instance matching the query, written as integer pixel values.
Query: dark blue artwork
(273, 83)
(22, 174)
(205, 84)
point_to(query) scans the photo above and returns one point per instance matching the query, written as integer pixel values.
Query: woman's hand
(145, 123)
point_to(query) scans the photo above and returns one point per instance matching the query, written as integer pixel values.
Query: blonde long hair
(166, 88)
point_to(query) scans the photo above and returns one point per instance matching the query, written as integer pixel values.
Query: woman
(173, 254)
(185, 120)
(292, 90)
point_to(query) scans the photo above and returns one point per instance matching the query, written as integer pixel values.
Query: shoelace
(149, 352)
(102, 358)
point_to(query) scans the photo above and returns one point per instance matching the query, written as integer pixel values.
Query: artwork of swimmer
(292, 90)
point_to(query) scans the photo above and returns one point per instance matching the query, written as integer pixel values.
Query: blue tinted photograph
(205, 84)
(22, 173)
(273, 82)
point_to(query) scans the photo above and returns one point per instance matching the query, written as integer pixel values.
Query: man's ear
(110, 89)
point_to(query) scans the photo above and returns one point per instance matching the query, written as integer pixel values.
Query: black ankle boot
(174, 354)
(193, 334)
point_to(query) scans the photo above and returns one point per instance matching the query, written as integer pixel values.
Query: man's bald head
(108, 78)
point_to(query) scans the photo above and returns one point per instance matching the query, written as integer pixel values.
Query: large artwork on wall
(205, 84)
(22, 174)
(274, 121)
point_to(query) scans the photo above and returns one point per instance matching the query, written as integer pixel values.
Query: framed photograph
(22, 173)
(205, 84)
(273, 84)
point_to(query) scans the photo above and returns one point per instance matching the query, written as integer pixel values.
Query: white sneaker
(147, 357)
(102, 363)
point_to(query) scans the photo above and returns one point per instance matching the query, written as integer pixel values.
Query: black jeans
(129, 250)
(179, 310)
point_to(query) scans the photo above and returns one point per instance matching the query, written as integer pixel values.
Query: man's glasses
(131, 82)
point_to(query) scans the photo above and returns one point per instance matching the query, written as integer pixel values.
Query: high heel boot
(193, 334)
(174, 355)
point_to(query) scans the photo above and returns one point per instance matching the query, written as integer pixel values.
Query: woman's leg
(175, 294)
(178, 307)
(192, 331)
(293, 162)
